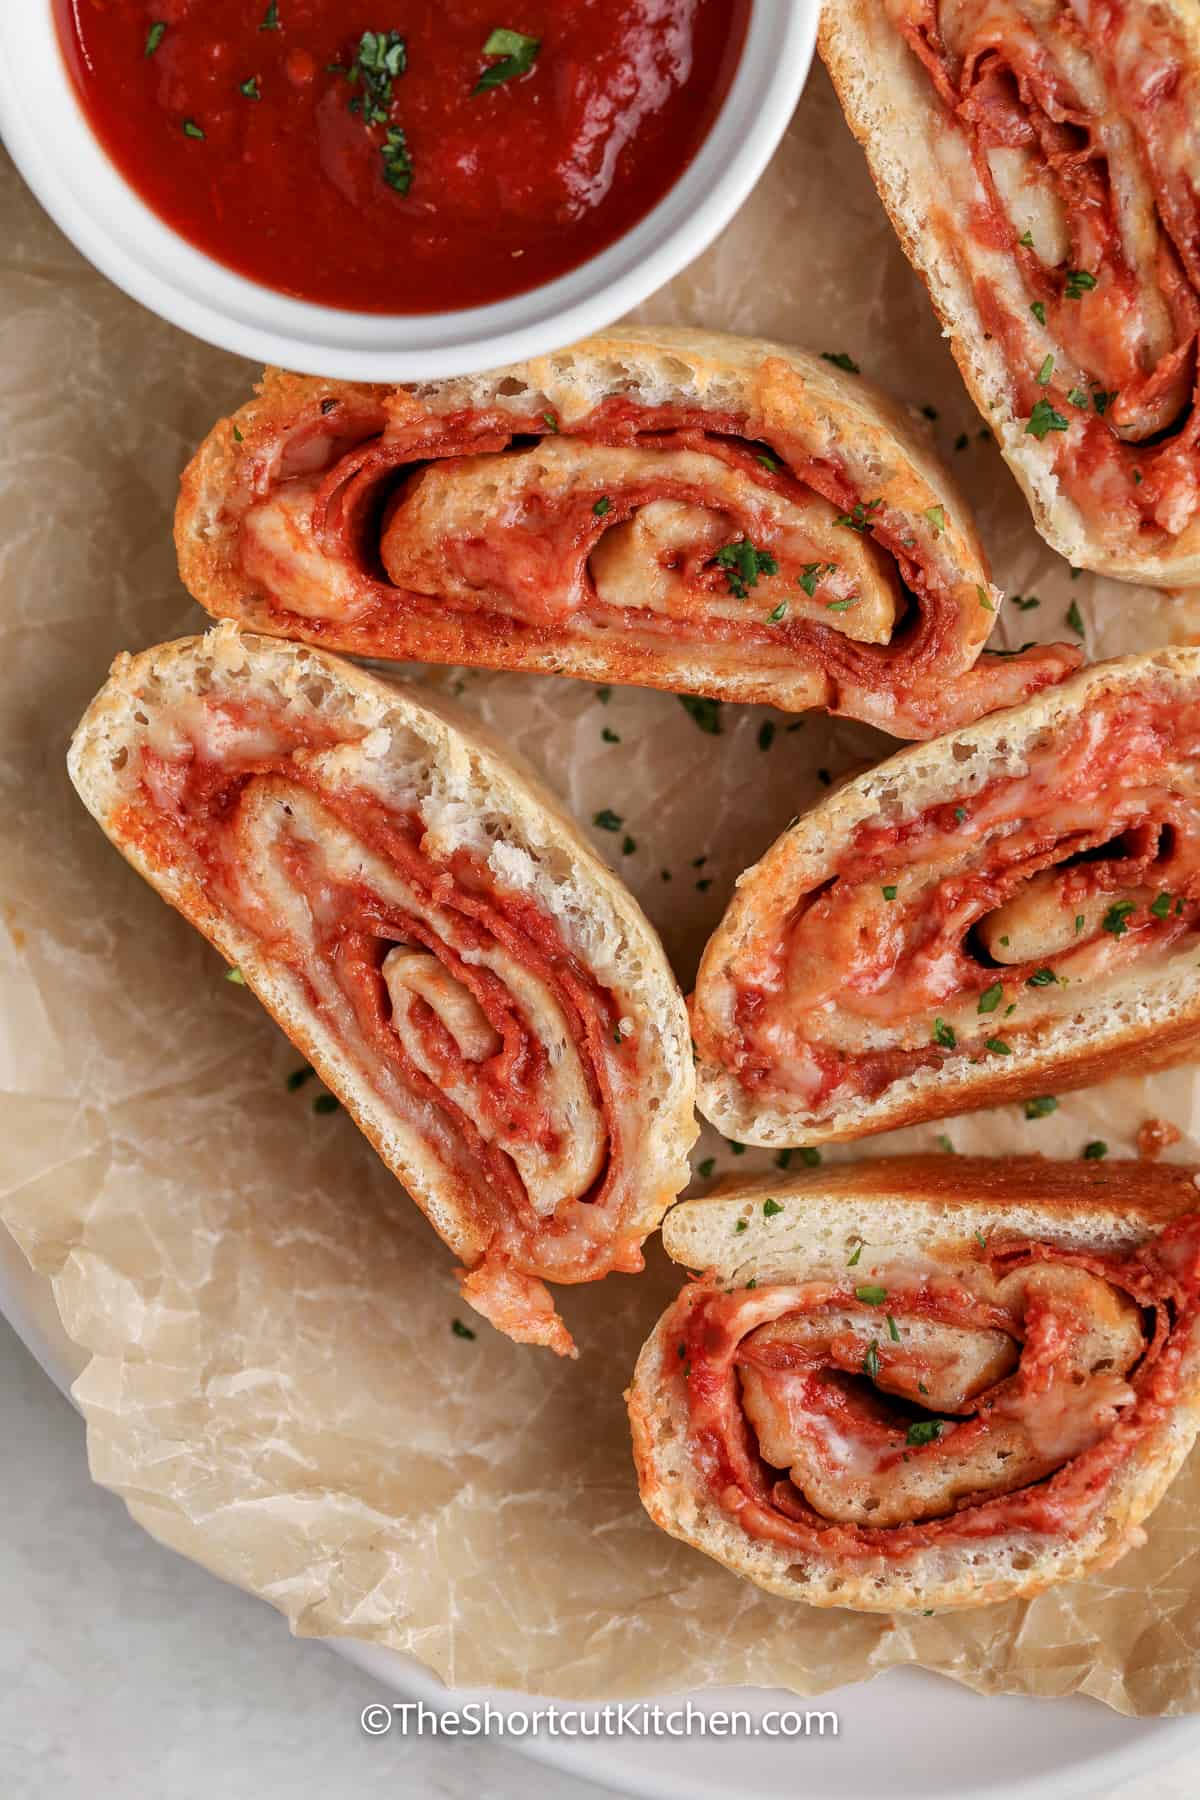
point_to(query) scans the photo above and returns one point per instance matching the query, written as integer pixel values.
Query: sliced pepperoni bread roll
(672, 509)
(1010, 910)
(429, 928)
(927, 1383)
(1040, 161)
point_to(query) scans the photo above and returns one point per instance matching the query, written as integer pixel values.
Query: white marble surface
(128, 1674)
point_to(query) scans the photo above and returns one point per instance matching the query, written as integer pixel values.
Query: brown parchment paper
(274, 1385)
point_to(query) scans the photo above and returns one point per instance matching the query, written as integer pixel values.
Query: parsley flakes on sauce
(381, 56)
(1044, 419)
(743, 563)
(155, 36)
(517, 54)
(397, 160)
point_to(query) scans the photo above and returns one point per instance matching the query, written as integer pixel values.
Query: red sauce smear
(240, 126)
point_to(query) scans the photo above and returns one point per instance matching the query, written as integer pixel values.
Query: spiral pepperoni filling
(906, 1410)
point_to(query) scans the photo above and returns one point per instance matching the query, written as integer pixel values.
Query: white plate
(906, 1736)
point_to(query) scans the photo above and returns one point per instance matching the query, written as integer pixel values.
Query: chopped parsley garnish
(923, 1431)
(980, 1240)
(1042, 978)
(743, 563)
(1078, 398)
(809, 1157)
(1042, 1107)
(738, 1149)
(326, 1103)
(461, 1330)
(1102, 400)
(777, 613)
(770, 1208)
(602, 506)
(607, 820)
(1039, 312)
(1075, 618)
(998, 1047)
(871, 1296)
(237, 436)
(766, 735)
(629, 846)
(550, 421)
(298, 1077)
(991, 997)
(937, 518)
(841, 605)
(191, 129)
(742, 1225)
(1161, 907)
(1044, 419)
(705, 1169)
(871, 1361)
(1045, 372)
(381, 56)
(251, 89)
(943, 1034)
(943, 1143)
(811, 574)
(987, 604)
(609, 736)
(397, 160)
(1114, 919)
(604, 694)
(960, 815)
(271, 22)
(852, 1259)
(236, 976)
(706, 713)
(841, 360)
(771, 464)
(1025, 602)
(1026, 238)
(859, 519)
(1096, 1151)
(889, 892)
(155, 36)
(517, 54)
(1079, 282)
(1079, 921)
(893, 1328)
(784, 1160)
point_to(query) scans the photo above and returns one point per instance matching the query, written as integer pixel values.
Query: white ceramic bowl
(52, 144)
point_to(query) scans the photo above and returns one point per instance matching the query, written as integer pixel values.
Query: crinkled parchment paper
(275, 1387)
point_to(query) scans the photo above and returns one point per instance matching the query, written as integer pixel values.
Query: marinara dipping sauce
(402, 156)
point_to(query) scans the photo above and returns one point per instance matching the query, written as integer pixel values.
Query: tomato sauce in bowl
(402, 156)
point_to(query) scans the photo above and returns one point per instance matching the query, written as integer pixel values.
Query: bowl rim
(47, 133)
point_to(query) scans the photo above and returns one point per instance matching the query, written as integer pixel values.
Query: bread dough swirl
(475, 987)
(674, 509)
(1010, 911)
(1041, 162)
